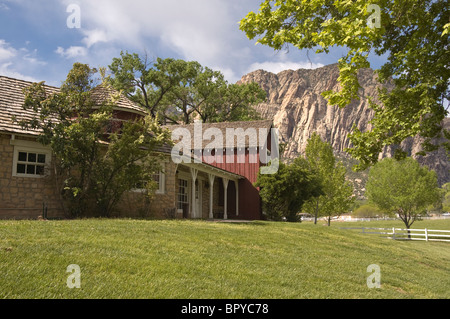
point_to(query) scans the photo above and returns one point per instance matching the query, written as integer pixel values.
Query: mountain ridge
(297, 108)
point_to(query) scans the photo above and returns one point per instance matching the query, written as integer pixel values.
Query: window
(182, 196)
(30, 163)
(159, 178)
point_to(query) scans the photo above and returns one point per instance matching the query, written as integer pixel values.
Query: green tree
(180, 91)
(402, 187)
(414, 37)
(367, 211)
(337, 191)
(284, 192)
(96, 167)
(446, 199)
(235, 103)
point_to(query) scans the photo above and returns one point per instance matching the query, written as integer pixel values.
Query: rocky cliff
(298, 109)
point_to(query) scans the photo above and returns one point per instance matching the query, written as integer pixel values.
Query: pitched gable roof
(100, 94)
(12, 99)
(250, 130)
(11, 102)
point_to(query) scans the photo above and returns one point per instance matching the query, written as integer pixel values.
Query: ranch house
(212, 182)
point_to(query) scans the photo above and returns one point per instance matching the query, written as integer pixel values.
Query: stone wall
(136, 204)
(24, 197)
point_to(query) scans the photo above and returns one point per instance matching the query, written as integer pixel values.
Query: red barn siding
(249, 199)
(248, 169)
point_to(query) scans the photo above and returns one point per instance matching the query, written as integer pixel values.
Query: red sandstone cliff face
(298, 109)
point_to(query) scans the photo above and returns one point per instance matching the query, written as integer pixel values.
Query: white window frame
(161, 184)
(21, 146)
(186, 188)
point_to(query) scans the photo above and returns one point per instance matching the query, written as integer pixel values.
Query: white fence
(349, 218)
(407, 234)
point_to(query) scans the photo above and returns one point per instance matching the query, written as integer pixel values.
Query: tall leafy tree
(446, 198)
(337, 191)
(403, 188)
(96, 167)
(235, 103)
(414, 37)
(145, 82)
(180, 91)
(284, 192)
(198, 88)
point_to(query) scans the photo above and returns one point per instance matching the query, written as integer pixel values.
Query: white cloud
(32, 57)
(13, 62)
(200, 30)
(94, 36)
(206, 31)
(228, 73)
(6, 51)
(5, 70)
(72, 52)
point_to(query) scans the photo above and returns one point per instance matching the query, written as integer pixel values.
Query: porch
(206, 192)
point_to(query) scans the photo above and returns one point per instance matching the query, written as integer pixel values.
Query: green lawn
(200, 259)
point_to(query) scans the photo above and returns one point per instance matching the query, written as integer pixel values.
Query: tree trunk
(405, 216)
(317, 212)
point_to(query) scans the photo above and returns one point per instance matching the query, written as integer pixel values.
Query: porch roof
(208, 168)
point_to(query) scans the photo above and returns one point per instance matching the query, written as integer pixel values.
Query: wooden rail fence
(407, 234)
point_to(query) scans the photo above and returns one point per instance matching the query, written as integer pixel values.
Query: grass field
(182, 259)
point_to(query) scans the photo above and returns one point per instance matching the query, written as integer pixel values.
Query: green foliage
(284, 192)
(94, 167)
(367, 211)
(337, 191)
(414, 36)
(179, 91)
(446, 199)
(140, 259)
(129, 159)
(402, 187)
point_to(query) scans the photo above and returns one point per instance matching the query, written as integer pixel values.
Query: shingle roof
(100, 94)
(249, 130)
(12, 99)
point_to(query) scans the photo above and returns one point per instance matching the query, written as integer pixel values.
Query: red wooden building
(216, 182)
(239, 148)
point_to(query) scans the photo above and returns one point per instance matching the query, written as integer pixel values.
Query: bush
(367, 211)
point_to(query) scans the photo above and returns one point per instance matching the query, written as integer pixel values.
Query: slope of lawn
(200, 259)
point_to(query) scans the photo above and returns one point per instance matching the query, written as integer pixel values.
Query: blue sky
(36, 43)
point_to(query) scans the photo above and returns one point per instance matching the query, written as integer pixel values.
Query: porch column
(211, 195)
(194, 173)
(225, 197)
(236, 183)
